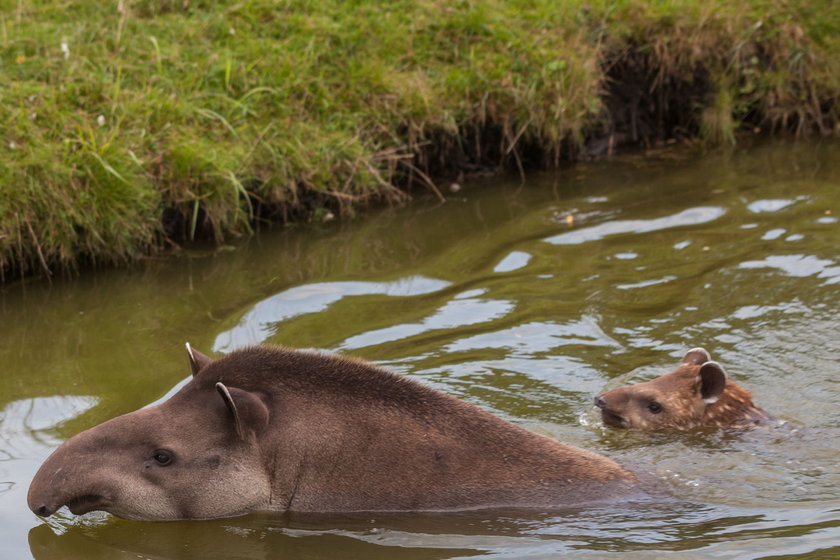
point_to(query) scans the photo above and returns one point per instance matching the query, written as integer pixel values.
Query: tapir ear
(712, 381)
(250, 414)
(696, 357)
(197, 359)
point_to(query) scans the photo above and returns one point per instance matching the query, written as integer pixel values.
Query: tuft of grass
(129, 126)
(717, 125)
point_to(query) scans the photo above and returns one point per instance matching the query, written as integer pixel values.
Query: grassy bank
(128, 126)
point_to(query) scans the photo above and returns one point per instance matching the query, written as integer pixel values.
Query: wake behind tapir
(276, 429)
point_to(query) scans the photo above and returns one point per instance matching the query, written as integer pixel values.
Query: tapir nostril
(600, 402)
(43, 511)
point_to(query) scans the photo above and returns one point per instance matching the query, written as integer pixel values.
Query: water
(523, 298)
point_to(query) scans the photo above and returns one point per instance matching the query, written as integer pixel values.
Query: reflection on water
(42, 413)
(258, 324)
(26, 438)
(799, 266)
(463, 310)
(638, 533)
(524, 299)
(513, 261)
(688, 217)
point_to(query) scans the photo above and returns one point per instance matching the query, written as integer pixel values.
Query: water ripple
(258, 324)
(537, 337)
(691, 216)
(513, 261)
(772, 205)
(459, 312)
(799, 266)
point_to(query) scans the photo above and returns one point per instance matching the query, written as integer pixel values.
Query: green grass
(160, 121)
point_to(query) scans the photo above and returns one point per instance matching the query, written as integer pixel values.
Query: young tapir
(695, 395)
(266, 428)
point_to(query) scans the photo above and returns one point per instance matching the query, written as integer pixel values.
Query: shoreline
(132, 128)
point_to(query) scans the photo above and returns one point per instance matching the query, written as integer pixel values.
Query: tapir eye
(654, 407)
(162, 457)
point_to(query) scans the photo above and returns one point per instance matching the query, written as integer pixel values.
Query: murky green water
(526, 299)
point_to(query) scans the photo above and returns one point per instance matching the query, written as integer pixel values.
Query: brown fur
(290, 430)
(695, 395)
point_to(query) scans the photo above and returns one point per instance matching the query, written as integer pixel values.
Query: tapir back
(356, 437)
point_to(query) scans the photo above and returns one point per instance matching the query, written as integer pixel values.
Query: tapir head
(194, 456)
(677, 400)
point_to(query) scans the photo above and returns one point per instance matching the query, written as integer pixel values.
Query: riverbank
(132, 126)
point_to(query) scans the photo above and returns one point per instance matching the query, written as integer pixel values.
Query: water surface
(525, 298)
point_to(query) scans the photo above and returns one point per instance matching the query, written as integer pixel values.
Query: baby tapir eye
(654, 407)
(163, 457)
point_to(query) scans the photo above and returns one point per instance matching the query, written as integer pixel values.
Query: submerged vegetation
(132, 125)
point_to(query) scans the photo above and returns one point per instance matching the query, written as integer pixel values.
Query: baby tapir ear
(712, 381)
(696, 356)
(197, 359)
(250, 414)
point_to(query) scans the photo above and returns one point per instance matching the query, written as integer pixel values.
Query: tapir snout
(81, 474)
(56, 485)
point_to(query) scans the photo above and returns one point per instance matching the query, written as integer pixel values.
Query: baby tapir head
(191, 457)
(696, 395)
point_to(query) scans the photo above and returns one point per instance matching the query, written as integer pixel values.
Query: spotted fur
(695, 395)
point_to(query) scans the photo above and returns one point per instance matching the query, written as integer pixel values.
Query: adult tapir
(269, 428)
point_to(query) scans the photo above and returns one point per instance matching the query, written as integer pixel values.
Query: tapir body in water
(268, 428)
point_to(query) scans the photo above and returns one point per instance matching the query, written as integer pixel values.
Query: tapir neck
(734, 407)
